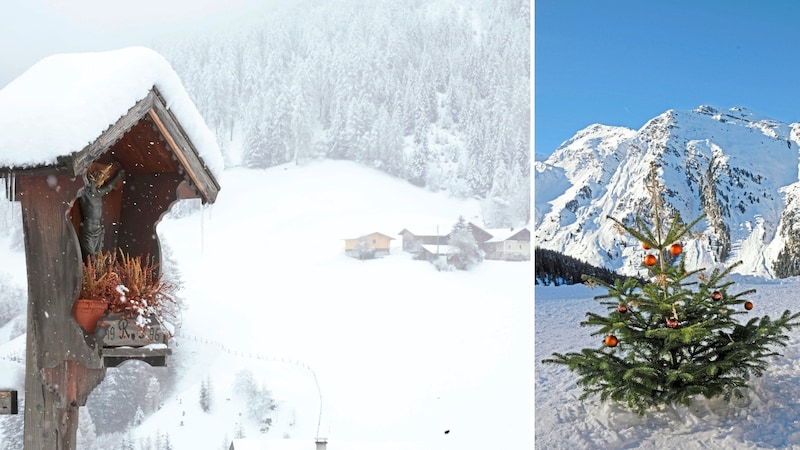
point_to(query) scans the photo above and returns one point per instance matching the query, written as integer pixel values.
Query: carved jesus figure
(91, 200)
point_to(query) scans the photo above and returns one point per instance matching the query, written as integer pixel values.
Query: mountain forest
(437, 93)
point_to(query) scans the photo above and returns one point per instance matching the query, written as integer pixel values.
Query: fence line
(262, 357)
(19, 356)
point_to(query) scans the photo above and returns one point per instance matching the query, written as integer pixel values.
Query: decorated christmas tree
(677, 335)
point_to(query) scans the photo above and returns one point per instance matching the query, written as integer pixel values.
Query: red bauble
(611, 341)
(672, 322)
(646, 246)
(622, 309)
(748, 305)
(676, 249)
(650, 260)
(716, 295)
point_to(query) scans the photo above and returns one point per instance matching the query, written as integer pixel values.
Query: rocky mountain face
(737, 168)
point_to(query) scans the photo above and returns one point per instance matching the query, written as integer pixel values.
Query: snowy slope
(734, 166)
(768, 417)
(398, 352)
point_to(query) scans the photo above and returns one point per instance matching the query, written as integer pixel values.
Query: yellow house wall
(381, 242)
(350, 244)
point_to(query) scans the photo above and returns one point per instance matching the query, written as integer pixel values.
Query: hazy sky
(623, 62)
(33, 29)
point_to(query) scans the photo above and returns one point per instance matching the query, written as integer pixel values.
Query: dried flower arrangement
(99, 279)
(131, 285)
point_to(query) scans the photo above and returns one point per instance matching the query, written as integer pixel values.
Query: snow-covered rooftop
(501, 234)
(64, 102)
(442, 249)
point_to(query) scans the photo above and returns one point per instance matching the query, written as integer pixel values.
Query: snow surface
(305, 444)
(64, 102)
(392, 352)
(767, 418)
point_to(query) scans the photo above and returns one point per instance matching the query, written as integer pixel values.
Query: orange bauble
(672, 322)
(622, 308)
(650, 260)
(716, 295)
(646, 246)
(748, 305)
(611, 341)
(676, 249)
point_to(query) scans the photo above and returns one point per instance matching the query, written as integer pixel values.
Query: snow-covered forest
(437, 93)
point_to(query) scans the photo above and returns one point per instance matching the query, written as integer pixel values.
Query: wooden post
(61, 367)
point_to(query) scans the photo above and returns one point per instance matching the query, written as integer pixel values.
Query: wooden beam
(176, 150)
(183, 149)
(81, 160)
(156, 357)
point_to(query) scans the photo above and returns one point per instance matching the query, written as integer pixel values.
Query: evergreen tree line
(555, 268)
(438, 95)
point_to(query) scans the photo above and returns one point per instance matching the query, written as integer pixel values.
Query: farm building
(368, 246)
(412, 242)
(430, 252)
(508, 244)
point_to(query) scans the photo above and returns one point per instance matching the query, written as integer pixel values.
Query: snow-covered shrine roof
(65, 102)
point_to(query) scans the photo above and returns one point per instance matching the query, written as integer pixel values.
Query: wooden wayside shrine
(161, 166)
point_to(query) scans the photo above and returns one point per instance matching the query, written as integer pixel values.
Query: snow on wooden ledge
(64, 102)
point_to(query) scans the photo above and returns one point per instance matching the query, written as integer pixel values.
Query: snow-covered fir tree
(260, 404)
(11, 428)
(87, 433)
(206, 394)
(138, 416)
(466, 252)
(12, 300)
(153, 394)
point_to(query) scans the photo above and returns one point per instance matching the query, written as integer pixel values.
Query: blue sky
(623, 62)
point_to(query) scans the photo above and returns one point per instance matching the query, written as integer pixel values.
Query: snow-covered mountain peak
(591, 146)
(734, 166)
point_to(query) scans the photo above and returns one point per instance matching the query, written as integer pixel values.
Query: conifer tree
(466, 251)
(87, 433)
(206, 394)
(138, 417)
(676, 336)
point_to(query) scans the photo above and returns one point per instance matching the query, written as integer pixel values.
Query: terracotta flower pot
(88, 311)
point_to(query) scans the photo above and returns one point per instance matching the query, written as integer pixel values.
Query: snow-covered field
(400, 353)
(767, 418)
